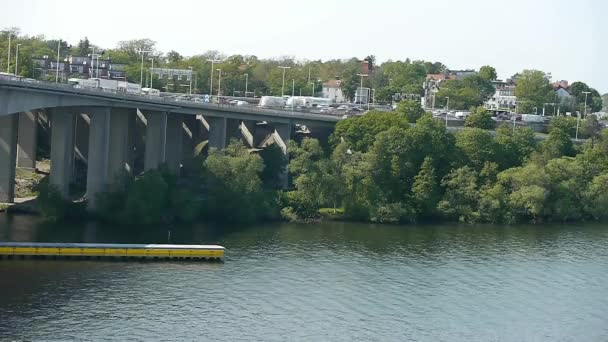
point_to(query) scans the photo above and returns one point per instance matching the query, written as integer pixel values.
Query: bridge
(103, 128)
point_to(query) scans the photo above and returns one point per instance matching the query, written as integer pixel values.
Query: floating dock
(22, 250)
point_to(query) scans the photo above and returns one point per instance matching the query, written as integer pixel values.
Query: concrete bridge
(168, 130)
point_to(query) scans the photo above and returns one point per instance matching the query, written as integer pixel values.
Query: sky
(562, 37)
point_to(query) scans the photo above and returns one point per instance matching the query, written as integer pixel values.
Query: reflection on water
(332, 281)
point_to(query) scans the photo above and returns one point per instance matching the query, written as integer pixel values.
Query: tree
(461, 196)
(480, 118)
(533, 89)
(594, 99)
(557, 144)
(514, 146)
(360, 131)
(476, 146)
(425, 190)
(84, 47)
(488, 73)
(411, 109)
(469, 92)
(566, 124)
(596, 197)
(591, 128)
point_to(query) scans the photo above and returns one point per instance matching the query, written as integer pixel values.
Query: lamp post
(361, 89)
(283, 85)
(293, 92)
(246, 81)
(213, 61)
(8, 60)
(152, 73)
(57, 71)
(17, 60)
(190, 80)
(141, 76)
(447, 109)
(312, 89)
(219, 84)
(585, 92)
(374, 96)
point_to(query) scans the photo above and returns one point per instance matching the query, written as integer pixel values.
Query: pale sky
(563, 37)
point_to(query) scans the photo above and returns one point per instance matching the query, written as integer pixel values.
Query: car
(343, 107)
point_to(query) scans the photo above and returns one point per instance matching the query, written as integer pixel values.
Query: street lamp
(190, 80)
(141, 76)
(219, 84)
(152, 73)
(585, 92)
(361, 89)
(57, 71)
(312, 88)
(246, 81)
(283, 85)
(17, 60)
(8, 60)
(293, 91)
(447, 109)
(213, 61)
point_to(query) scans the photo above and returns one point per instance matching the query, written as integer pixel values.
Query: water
(323, 282)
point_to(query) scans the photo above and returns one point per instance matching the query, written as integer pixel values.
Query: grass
(331, 213)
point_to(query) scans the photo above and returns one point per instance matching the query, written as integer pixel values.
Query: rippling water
(325, 282)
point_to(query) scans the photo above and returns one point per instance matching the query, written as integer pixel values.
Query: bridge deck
(104, 250)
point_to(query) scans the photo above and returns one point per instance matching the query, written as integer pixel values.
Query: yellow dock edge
(114, 252)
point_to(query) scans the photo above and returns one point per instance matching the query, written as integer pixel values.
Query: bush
(480, 118)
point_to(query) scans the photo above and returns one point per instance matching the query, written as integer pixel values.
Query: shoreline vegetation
(375, 168)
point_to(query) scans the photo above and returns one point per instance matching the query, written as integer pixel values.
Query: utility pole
(57, 71)
(447, 109)
(361, 90)
(586, 93)
(17, 60)
(283, 86)
(246, 81)
(8, 60)
(141, 76)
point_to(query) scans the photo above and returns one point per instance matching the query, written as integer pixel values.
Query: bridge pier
(27, 140)
(156, 136)
(81, 143)
(248, 131)
(8, 156)
(173, 149)
(99, 148)
(217, 132)
(121, 144)
(282, 135)
(62, 149)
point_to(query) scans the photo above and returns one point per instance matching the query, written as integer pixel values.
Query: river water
(318, 282)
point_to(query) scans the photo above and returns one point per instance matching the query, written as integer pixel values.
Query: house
(504, 98)
(332, 90)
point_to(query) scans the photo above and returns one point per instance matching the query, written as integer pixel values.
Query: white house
(504, 96)
(332, 90)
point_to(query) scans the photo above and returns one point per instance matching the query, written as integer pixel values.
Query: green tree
(594, 99)
(557, 144)
(566, 124)
(533, 89)
(591, 128)
(480, 118)
(360, 131)
(488, 73)
(460, 200)
(477, 146)
(425, 190)
(596, 197)
(411, 109)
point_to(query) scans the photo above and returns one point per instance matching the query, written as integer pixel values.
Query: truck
(272, 102)
(150, 92)
(112, 86)
(532, 118)
(307, 102)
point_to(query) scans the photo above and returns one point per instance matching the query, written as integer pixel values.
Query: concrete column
(282, 135)
(81, 137)
(27, 140)
(233, 130)
(8, 156)
(175, 127)
(99, 152)
(62, 149)
(156, 130)
(120, 161)
(217, 132)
